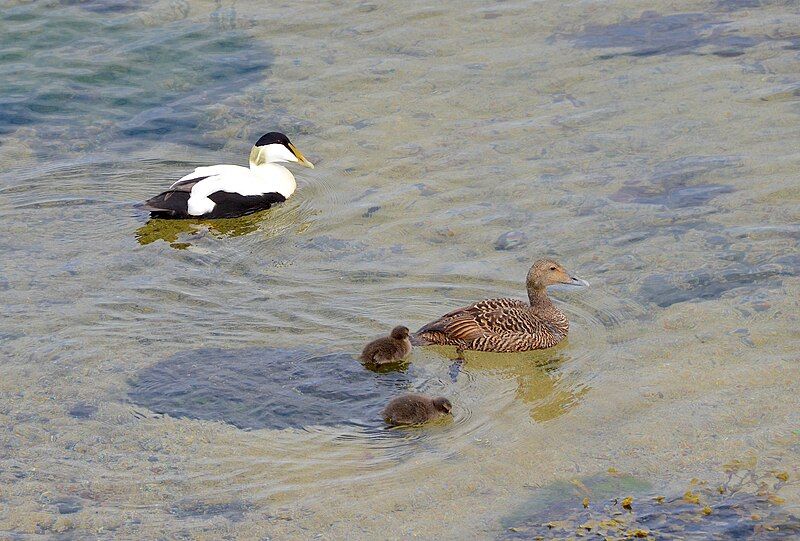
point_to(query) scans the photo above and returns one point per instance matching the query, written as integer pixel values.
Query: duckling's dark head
(399, 333)
(442, 404)
(547, 272)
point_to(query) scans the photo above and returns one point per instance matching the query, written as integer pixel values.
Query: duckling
(415, 409)
(389, 349)
(230, 191)
(507, 325)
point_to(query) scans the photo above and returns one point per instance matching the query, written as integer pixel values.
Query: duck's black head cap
(271, 138)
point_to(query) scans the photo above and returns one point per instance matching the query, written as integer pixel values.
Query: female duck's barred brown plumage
(506, 325)
(501, 325)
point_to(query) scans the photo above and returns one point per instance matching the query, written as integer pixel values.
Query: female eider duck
(415, 409)
(507, 325)
(228, 191)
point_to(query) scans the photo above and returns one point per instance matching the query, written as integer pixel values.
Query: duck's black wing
(231, 205)
(174, 203)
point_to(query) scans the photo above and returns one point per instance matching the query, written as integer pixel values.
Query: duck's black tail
(170, 204)
(174, 203)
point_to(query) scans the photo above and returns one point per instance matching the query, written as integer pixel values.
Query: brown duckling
(415, 409)
(389, 349)
(507, 325)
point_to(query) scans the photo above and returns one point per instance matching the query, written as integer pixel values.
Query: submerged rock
(188, 508)
(331, 245)
(105, 6)
(614, 506)
(655, 34)
(671, 197)
(675, 183)
(68, 506)
(267, 388)
(82, 411)
(667, 289)
(511, 240)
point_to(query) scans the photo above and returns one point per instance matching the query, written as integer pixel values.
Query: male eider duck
(228, 191)
(507, 325)
(415, 409)
(389, 349)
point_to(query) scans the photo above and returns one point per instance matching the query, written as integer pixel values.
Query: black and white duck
(229, 191)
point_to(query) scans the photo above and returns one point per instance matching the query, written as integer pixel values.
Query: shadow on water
(267, 388)
(179, 233)
(541, 384)
(619, 506)
(148, 81)
(655, 34)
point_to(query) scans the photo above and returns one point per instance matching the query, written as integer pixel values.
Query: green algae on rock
(744, 506)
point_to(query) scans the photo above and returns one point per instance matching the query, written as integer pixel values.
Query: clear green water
(651, 148)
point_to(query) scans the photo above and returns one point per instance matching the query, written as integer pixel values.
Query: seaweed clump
(745, 506)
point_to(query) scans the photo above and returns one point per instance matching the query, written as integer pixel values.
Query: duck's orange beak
(299, 155)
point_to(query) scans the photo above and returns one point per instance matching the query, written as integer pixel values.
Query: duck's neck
(279, 178)
(538, 297)
(547, 311)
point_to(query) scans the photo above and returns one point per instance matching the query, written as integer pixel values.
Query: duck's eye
(552, 268)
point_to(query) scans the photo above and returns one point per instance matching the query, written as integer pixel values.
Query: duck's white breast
(267, 178)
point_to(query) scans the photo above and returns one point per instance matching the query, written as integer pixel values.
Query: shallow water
(653, 150)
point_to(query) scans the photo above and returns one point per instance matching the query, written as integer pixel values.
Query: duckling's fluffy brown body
(415, 409)
(389, 349)
(507, 325)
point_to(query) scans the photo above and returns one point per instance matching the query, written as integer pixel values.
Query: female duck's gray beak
(578, 282)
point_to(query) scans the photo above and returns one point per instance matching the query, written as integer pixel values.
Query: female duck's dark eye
(552, 268)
